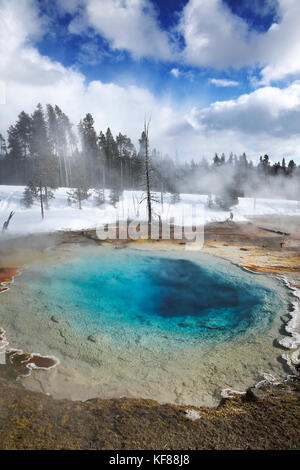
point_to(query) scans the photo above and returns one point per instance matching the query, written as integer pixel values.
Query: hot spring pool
(173, 326)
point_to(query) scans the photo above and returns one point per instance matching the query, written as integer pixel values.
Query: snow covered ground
(61, 216)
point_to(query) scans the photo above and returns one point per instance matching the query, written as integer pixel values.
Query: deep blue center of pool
(142, 292)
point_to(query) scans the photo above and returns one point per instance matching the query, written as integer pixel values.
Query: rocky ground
(259, 420)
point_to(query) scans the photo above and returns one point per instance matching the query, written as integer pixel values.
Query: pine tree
(136, 171)
(173, 189)
(43, 181)
(175, 197)
(125, 151)
(227, 198)
(145, 153)
(28, 196)
(99, 197)
(45, 171)
(90, 148)
(210, 201)
(65, 140)
(3, 149)
(217, 160)
(276, 168)
(19, 136)
(80, 192)
(114, 196)
(101, 142)
(266, 163)
(52, 129)
(15, 155)
(291, 167)
(24, 127)
(3, 159)
(39, 142)
(111, 152)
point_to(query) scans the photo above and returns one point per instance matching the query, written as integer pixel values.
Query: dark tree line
(43, 152)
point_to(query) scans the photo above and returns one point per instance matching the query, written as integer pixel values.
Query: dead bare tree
(150, 197)
(147, 169)
(6, 223)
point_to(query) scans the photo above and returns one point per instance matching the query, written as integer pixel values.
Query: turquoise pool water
(203, 299)
(172, 326)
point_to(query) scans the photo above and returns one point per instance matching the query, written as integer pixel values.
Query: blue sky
(92, 55)
(215, 75)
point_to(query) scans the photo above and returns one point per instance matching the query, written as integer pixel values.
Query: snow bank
(60, 216)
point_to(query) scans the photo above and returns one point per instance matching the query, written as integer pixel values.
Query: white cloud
(188, 74)
(31, 78)
(175, 72)
(279, 49)
(210, 29)
(131, 25)
(223, 82)
(91, 54)
(262, 121)
(259, 7)
(215, 37)
(69, 6)
(267, 111)
(18, 24)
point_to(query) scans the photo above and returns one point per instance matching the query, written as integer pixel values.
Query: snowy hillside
(61, 216)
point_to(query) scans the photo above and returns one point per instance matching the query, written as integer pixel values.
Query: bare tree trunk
(103, 174)
(130, 174)
(60, 177)
(46, 198)
(121, 161)
(41, 201)
(6, 223)
(147, 171)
